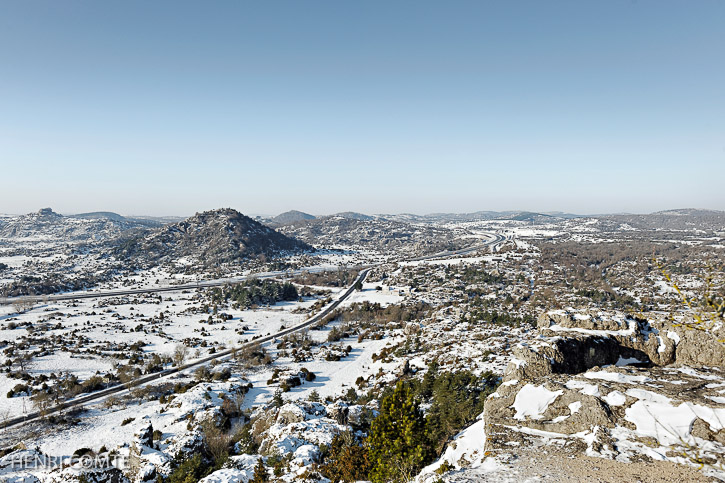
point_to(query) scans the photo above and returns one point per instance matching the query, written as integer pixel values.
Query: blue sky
(172, 107)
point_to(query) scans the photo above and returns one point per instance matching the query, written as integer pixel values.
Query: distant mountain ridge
(480, 216)
(294, 216)
(104, 226)
(679, 219)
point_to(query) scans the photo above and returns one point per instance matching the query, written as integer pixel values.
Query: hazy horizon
(171, 108)
(271, 215)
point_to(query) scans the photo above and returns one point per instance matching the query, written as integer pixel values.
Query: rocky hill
(49, 225)
(210, 238)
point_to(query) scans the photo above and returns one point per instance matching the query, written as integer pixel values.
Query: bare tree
(23, 304)
(4, 414)
(42, 401)
(181, 352)
(23, 360)
(217, 441)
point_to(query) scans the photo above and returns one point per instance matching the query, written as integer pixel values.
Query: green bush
(456, 399)
(398, 445)
(346, 460)
(401, 440)
(190, 470)
(244, 440)
(260, 473)
(255, 292)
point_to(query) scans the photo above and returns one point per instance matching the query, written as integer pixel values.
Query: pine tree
(260, 473)
(398, 444)
(346, 461)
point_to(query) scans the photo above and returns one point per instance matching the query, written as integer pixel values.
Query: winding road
(120, 389)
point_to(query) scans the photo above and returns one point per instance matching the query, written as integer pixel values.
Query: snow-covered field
(466, 313)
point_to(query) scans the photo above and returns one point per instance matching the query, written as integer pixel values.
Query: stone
(700, 347)
(290, 413)
(145, 436)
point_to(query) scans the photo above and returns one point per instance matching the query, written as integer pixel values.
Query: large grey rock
(592, 412)
(605, 338)
(590, 320)
(570, 412)
(571, 355)
(290, 413)
(700, 347)
(599, 383)
(338, 411)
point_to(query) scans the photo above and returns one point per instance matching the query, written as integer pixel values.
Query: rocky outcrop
(613, 386)
(290, 414)
(340, 412)
(240, 470)
(570, 355)
(138, 466)
(80, 475)
(597, 338)
(699, 347)
(587, 320)
(546, 405)
(619, 412)
(145, 437)
(300, 429)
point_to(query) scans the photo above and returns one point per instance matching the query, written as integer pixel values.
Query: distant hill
(109, 215)
(47, 224)
(159, 219)
(480, 216)
(681, 219)
(564, 215)
(210, 238)
(372, 233)
(288, 217)
(351, 215)
(690, 212)
(527, 216)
